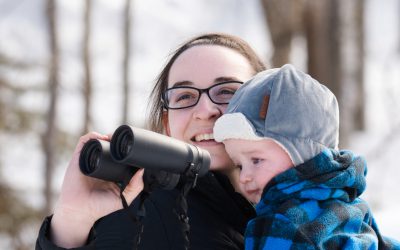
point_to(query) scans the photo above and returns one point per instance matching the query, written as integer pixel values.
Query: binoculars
(164, 159)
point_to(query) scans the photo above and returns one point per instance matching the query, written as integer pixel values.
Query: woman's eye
(183, 97)
(226, 91)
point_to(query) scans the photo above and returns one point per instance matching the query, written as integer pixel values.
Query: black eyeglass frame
(201, 91)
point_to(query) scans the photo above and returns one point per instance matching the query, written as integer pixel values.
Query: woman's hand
(83, 200)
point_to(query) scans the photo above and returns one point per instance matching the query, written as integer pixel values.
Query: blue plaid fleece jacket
(316, 206)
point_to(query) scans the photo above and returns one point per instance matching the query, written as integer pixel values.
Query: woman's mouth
(203, 137)
(204, 140)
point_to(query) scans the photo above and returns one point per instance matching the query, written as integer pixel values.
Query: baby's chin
(256, 200)
(252, 198)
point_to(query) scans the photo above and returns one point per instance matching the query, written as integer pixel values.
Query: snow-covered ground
(159, 27)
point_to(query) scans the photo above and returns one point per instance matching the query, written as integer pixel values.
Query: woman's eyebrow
(216, 80)
(226, 79)
(182, 83)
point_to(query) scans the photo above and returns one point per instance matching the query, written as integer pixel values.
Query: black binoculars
(165, 159)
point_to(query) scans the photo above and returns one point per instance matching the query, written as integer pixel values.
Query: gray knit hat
(285, 105)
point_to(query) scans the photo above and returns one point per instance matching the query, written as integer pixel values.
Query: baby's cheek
(242, 190)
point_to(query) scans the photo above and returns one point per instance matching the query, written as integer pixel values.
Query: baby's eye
(256, 160)
(239, 167)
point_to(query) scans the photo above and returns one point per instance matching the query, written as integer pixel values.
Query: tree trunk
(50, 134)
(283, 18)
(126, 61)
(334, 35)
(358, 19)
(87, 95)
(324, 46)
(322, 34)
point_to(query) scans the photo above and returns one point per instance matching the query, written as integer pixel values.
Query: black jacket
(217, 218)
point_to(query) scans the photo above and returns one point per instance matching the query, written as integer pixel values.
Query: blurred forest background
(67, 67)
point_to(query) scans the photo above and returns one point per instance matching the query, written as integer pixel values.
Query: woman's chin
(221, 165)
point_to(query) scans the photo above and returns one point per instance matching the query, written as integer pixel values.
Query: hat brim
(234, 126)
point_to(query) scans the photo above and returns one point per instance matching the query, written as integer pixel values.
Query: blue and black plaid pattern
(316, 206)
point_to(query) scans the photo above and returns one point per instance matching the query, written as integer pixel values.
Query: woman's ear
(165, 123)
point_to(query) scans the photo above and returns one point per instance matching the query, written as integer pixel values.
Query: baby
(281, 130)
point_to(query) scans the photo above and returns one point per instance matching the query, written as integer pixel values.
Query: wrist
(70, 227)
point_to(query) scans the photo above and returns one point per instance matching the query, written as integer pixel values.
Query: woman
(89, 215)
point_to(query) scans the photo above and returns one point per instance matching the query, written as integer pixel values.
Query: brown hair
(225, 40)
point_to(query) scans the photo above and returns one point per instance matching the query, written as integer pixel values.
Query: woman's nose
(206, 109)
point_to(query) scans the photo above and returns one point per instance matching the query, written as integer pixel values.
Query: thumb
(134, 187)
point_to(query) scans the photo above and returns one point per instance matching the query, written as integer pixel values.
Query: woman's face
(201, 67)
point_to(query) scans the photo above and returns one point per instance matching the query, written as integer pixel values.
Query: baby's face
(259, 162)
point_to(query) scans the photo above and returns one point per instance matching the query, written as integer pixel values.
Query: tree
(284, 21)
(53, 84)
(352, 16)
(16, 215)
(87, 92)
(14, 118)
(333, 32)
(126, 60)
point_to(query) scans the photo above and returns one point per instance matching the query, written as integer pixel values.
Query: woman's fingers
(74, 162)
(91, 135)
(134, 187)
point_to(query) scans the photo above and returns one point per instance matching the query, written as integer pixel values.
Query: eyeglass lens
(184, 97)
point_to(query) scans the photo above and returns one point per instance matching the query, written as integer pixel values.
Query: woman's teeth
(204, 137)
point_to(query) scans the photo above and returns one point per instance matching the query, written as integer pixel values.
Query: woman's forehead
(202, 65)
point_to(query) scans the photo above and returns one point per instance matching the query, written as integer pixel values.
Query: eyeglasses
(181, 97)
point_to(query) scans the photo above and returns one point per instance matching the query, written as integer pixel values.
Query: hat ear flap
(264, 107)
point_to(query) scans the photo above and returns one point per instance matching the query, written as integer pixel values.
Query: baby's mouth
(252, 191)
